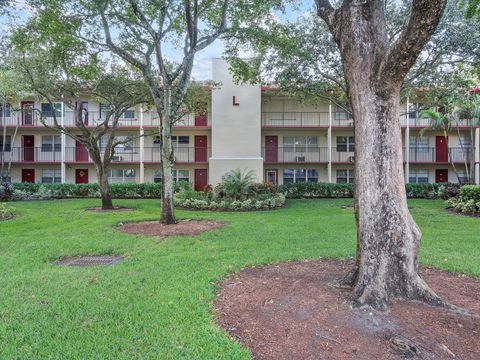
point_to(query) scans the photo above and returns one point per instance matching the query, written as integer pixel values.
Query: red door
(201, 120)
(441, 149)
(27, 112)
(200, 148)
(81, 176)
(81, 153)
(271, 149)
(28, 175)
(28, 148)
(441, 175)
(201, 179)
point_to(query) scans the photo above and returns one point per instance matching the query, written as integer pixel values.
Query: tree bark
(167, 215)
(387, 236)
(102, 175)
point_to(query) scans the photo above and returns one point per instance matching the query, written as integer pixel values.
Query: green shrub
(23, 191)
(326, 190)
(236, 184)
(258, 197)
(6, 212)
(6, 191)
(316, 190)
(200, 201)
(468, 200)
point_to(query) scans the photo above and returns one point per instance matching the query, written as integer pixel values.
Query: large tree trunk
(388, 237)
(102, 175)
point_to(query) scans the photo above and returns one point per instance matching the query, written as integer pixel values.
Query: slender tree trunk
(102, 175)
(167, 215)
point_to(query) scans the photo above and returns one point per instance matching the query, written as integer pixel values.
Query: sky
(202, 66)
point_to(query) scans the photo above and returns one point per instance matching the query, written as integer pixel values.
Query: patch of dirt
(115, 208)
(293, 311)
(455, 212)
(182, 228)
(6, 218)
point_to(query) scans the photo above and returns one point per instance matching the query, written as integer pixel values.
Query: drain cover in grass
(89, 260)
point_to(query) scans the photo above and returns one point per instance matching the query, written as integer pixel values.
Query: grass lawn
(157, 303)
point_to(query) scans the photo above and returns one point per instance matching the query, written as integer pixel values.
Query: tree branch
(326, 11)
(424, 18)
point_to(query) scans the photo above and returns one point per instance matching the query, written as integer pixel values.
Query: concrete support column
(329, 142)
(477, 156)
(142, 148)
(407, 154)
(63, 138)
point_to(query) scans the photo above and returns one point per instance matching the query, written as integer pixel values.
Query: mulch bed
(182, 228)
(293, 311)
(116, 208)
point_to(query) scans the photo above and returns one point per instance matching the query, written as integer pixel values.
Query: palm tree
(444, 120)
(237, 183)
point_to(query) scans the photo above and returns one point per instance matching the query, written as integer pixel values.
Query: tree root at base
(379, 301)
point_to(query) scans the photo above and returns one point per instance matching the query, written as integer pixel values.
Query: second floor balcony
(440, 155)
(298, 155)
(80, 155)
(130, 119)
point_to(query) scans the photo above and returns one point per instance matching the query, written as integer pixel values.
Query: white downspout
(142, 147)
(62, 150)
(329, 142)
(477, 156)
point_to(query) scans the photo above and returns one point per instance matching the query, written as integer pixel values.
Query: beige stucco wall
(236, 130)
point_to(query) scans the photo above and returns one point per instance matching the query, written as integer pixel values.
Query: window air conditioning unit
(116, 158)
(351, 159)
(300, 158)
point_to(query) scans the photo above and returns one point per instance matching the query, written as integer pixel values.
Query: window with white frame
(127, 145)
(418, 176)
(414, 109)
(8, 143)
(121, 176)
(51, 143)
(465, 142)
(345, 176)
(104, 111)
(341, 113)
(179, 175)
(300, 175)
(180, 141)
(177, 141)
(51, 176)
(345, 143)
(129, 114)
(462, 175)
(47, 109)
(5, 110)
(418, 142)
(300, 143)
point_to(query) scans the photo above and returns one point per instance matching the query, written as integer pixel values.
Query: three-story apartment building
(247, 126)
